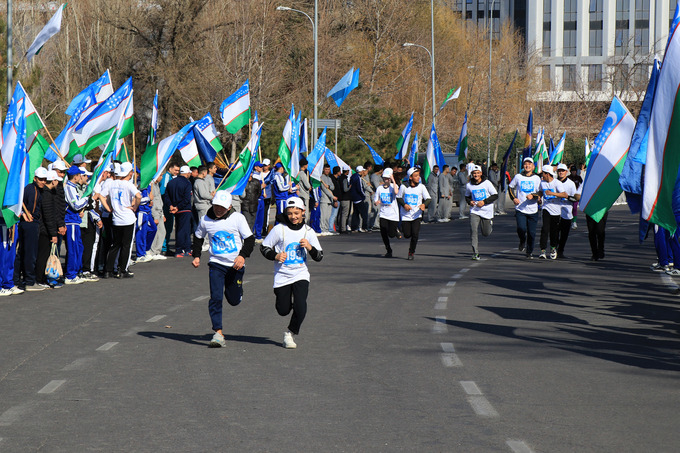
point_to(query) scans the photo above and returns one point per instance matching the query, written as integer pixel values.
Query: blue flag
(376, 157)
(240, 186)
(526, 152)
(402, 143)
(330, 158)
(342, 89)
(18, 176)
(631, 175)
(413, 155)
(316, 160)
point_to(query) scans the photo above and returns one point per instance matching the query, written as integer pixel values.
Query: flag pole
(56, 148)
(134, 156)
(224, 178)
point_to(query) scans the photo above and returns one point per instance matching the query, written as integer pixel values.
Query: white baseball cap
(411, 171)
(266, 162)
(295, 202)
(222, 198)
(476, 168)
(52, 175)
(548, 169)
(59, 165)
(528, 159)
(80, 159)
(562, 167)
(360, 168)
(124, 170)
(184, 170)
(41, 173)
(388, 172)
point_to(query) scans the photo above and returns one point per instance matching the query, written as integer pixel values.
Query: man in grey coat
(462, 179)
(202, 195)
(156, 250)
(304, 187)
(433, 189)
(327, 200)
(445, 195)
(374, 213)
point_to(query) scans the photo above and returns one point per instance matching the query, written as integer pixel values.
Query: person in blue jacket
(177, 197)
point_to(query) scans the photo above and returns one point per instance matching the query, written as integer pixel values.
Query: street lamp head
(407, 44)
(282, 8)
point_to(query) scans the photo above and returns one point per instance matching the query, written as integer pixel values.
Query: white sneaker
(206, 246)
(14, 290)
(144, 259)
(217, 341)
(288, 342)
(73, 281)
(5, 292)
(159, 257)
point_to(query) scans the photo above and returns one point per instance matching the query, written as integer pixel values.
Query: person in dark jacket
(250, 199)
(49, 227)
(28, 232)
(345, 201)
(358, 197)
(177, 196)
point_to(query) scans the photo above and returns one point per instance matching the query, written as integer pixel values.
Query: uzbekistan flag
(235, 110)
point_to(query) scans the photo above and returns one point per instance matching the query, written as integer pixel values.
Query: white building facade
(584, 49)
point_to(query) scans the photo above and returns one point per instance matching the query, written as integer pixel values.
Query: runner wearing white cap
(386, 198)
(413, 199)
(231, 242)
(551, 192)
(566, 214)
(524, 193)
(288, 245)
(480, 195)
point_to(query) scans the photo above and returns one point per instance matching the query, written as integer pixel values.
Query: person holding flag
(231, 242)
(282, 188)
(479, 195)
(28, 233)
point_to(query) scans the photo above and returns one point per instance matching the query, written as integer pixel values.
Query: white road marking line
(465, 270)
(443, 299)
(440, 306)
(200, 298)
(352, 251)
(439, 325)
(668, 281)
(518, 446)
(132, 331)
(482, 407)
(78, 363)
(470, 388)
(475, 264)
(456, 276)
(175, 308)
(450, 360)
(506, 251)
(52, 386)
(445, 290)
(447, 347)
(156, 318)
(451, 284)
(13, 414)
(106, 346)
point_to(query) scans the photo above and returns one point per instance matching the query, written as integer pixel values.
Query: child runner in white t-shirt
(288, 245)
(231, 242)
(480, 195)
(413, 199)
(386, 198)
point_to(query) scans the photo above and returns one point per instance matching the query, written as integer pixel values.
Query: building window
(621, 77)
(546, 28)
(622, 23)
(596, 21)
(546, 81)
(595, 77)
(569, 77)
(642, 26)
(569, 38)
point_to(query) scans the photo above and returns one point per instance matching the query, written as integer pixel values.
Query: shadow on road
(203, 340)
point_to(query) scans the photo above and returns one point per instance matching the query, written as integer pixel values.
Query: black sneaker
(521, 247)
(388, 254)
(126, 274)
(410, 256)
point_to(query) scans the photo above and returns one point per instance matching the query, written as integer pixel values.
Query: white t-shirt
(122, 194)
(479, 192)
(469, 167)
(283, 239)
(389, 208)
(551, 203)
(99, 188)
(523, 186)
(414, 197)
(568, 206)
(225, 235)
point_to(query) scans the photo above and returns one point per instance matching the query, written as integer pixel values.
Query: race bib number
(385, 198)
(479, 194)
(295, 254)
(411, 199)
(223, 243)
(526, 186)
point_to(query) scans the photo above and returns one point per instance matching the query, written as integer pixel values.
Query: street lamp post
(410, 44)
(488, 148)
(316, 57)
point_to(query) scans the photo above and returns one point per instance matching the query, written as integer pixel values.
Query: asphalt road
(438, 354)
